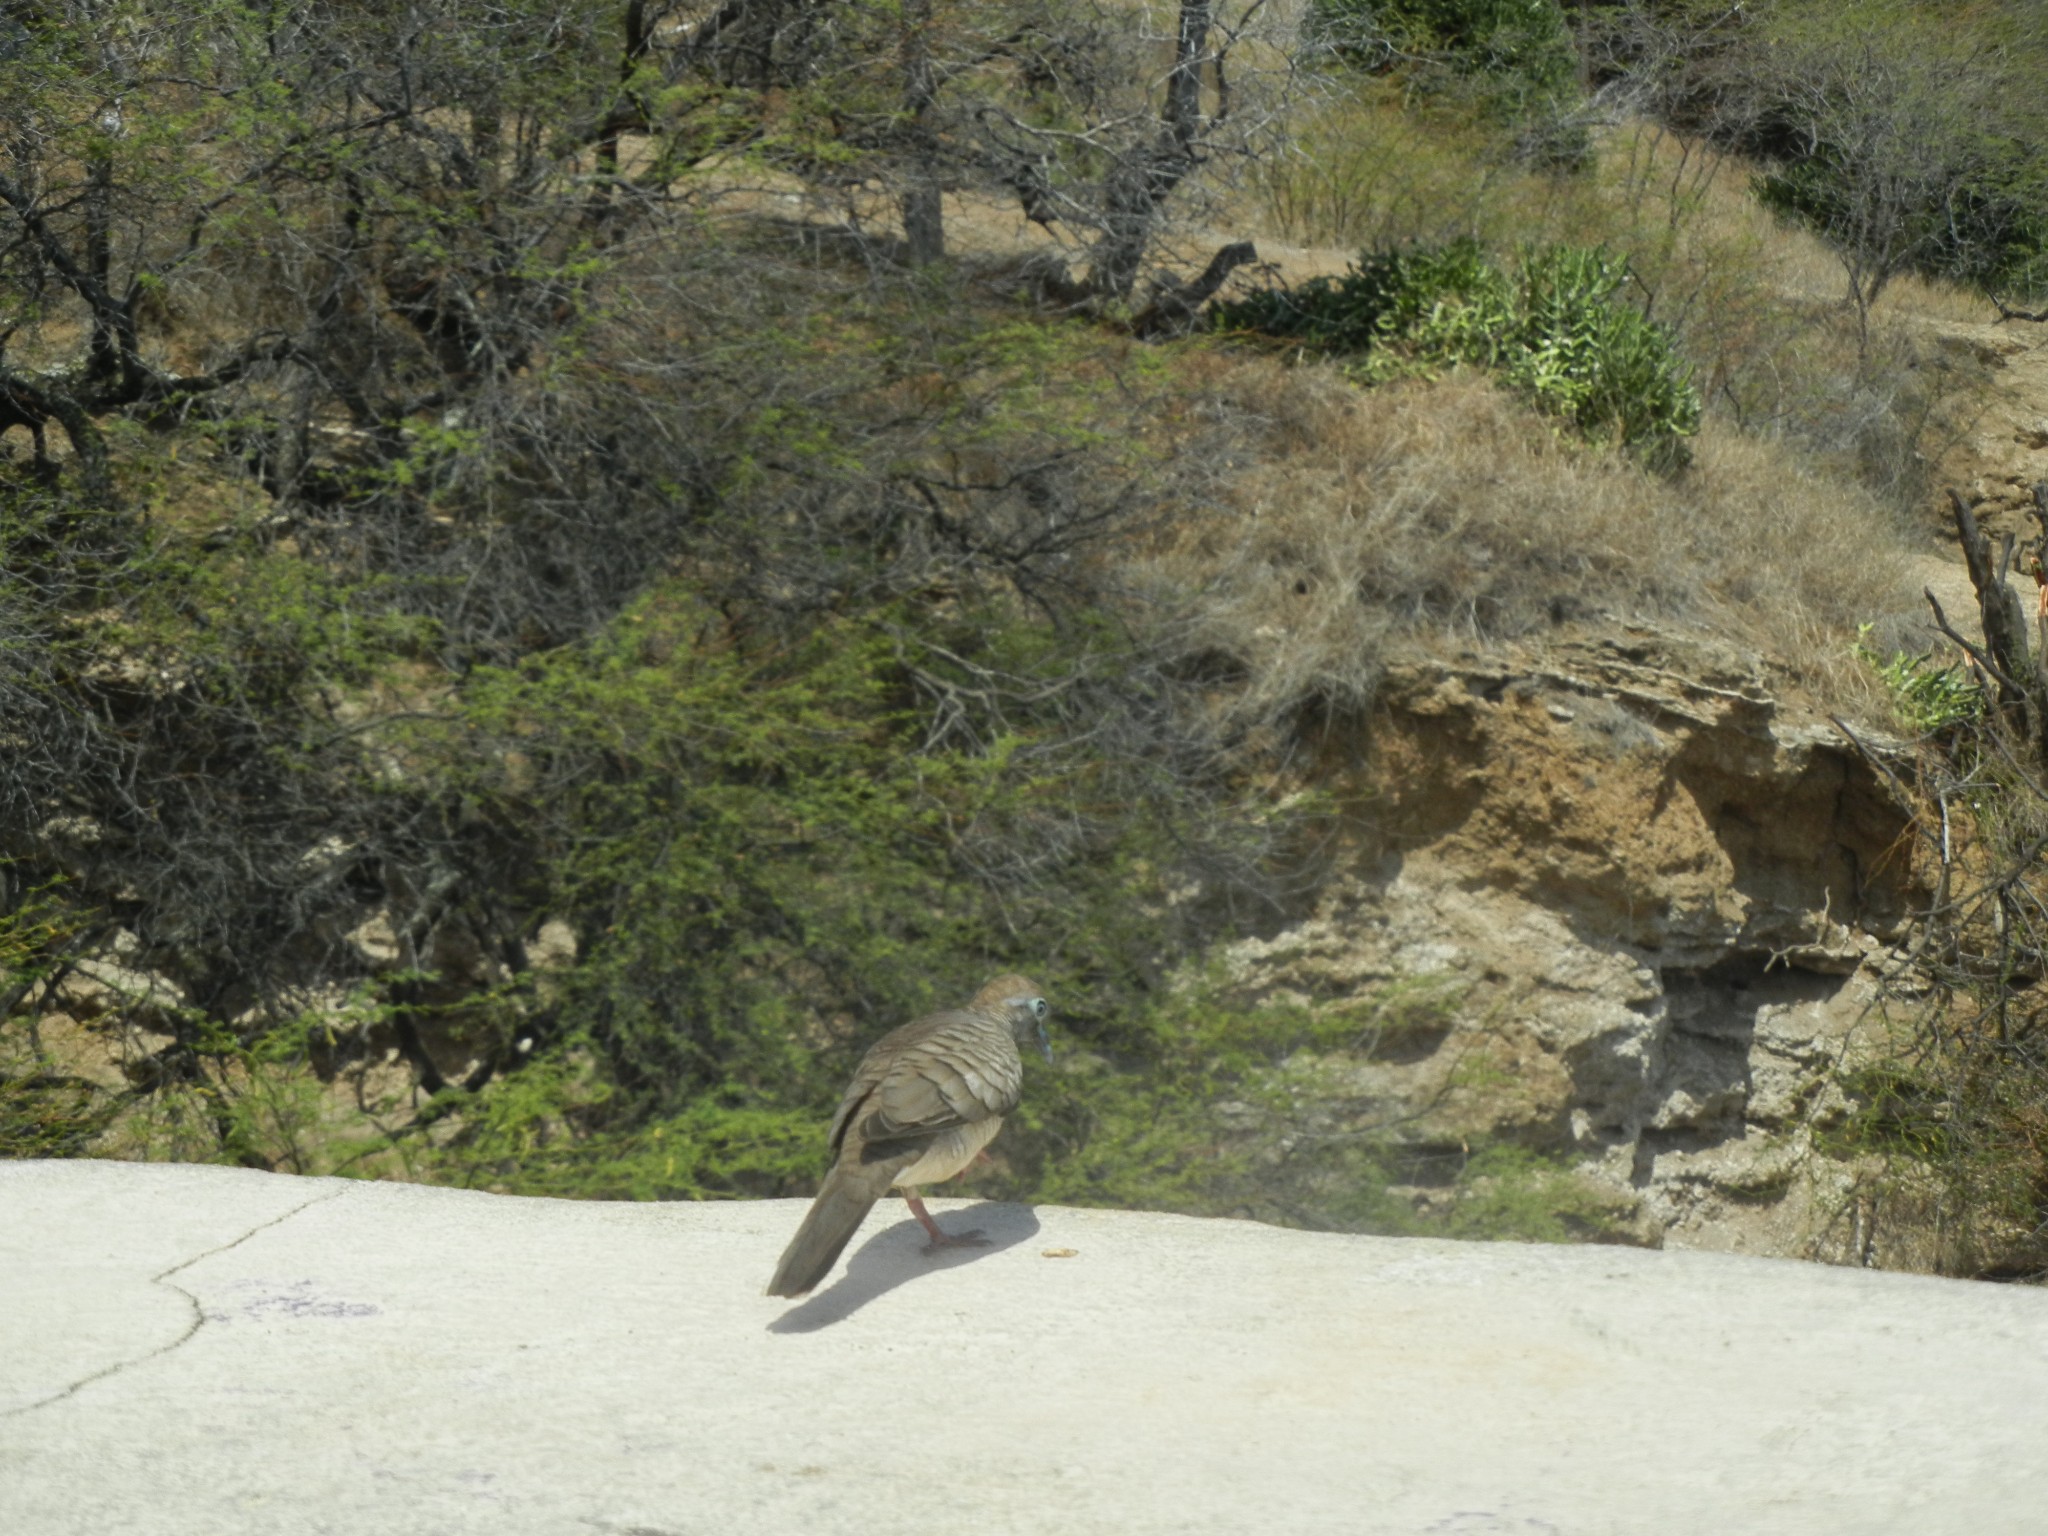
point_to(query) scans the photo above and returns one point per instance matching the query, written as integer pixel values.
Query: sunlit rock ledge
(189, 1350)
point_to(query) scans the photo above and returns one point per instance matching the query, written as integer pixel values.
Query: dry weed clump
(1429, 512)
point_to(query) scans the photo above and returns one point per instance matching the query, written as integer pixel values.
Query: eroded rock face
(1661, 898)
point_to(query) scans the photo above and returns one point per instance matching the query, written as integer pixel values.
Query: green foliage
(1195, 1105)
(1553, 327)
(794, 732)
(1926, 698)
(744, 832)
(1525, 39)
(1898, 1110)
(1978, 219)
(1150, 1133)
(43, 1111)
(1954, 1111)
(1189, 1103)
(1598, 362)
(1508, 1193)
(1910, 142)
(716, 820)
(1959, 1114)
(37, 924)
(42, 1115)
(1516, 57)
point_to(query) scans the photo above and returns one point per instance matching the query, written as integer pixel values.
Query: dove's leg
(939, 1239)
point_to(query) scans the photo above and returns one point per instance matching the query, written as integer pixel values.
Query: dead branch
(2022, 686)
(1173, 306)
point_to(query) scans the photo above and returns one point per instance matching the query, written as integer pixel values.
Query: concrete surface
(206, 1352)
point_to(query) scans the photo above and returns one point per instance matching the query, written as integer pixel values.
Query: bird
(923, 1102)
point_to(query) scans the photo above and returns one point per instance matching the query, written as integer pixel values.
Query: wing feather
(931, 1076)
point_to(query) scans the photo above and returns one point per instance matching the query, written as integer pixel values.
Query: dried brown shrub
(1363, 520)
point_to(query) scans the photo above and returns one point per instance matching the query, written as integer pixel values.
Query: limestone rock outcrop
(1664, 899)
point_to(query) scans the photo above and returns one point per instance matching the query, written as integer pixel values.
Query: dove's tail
(842, 1205)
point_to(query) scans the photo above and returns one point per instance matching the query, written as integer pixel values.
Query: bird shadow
(896, 1255)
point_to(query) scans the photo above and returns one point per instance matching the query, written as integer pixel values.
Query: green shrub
(1979, 219)
(1927, 698)
(1219, 1107)
(1909, 138)
(1553, 328)
(1509, 1194)
(1516, 57)
(44, 1112)
(1527, 39)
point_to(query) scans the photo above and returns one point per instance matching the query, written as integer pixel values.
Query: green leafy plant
(1553, 326)
(1928, 698)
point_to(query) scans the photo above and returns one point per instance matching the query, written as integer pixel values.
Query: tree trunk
(2006, 657)
(1139, 186)
(924, 220)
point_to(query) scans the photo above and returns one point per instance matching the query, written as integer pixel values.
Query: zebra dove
(923, 1103)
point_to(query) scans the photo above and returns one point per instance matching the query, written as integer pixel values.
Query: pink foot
(940, 1239)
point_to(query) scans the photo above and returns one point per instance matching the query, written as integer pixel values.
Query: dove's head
(1023, 1007)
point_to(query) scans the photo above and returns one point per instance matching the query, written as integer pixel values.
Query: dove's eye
(1038, 1007)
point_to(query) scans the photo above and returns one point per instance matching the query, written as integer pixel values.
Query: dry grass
(1758, 305)
(1369, 519)
(1362, 172)
(1366, 171)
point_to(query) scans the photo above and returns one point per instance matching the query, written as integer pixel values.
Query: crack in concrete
(198, 1313)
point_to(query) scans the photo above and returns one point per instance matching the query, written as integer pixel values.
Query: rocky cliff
(1665, 900)
(1674, 901)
